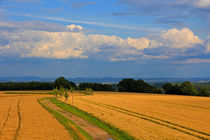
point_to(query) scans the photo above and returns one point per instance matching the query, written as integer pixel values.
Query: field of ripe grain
(151, 116)
(23, 118)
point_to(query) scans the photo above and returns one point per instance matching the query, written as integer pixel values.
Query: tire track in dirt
(183, 129)
(96, 132)
(19, 121)
(7, 118)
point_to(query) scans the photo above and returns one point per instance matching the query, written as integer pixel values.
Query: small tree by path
(66, 95)
(88, 91)
(56, 92)
(72, 91)
(61, 91)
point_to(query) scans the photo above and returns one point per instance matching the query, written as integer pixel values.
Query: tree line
(125, 85)
(26, 86)
(61, 81)
(185, 88)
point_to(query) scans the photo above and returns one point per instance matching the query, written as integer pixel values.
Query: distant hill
(100, 80)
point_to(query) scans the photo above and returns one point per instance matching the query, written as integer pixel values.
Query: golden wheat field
(151, 116)
(144, 116)
(23, 118)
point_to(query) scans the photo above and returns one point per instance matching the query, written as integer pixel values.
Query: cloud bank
(66, 42)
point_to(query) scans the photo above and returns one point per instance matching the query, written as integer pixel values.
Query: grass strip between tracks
(116, 133)
(73, 129)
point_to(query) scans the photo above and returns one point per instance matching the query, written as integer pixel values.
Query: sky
(105, 38)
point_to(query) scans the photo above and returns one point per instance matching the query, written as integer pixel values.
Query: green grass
(49, 93)
(65, 122)
(86, 93)
(116, 133)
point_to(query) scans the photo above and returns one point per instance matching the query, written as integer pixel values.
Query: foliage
(200, 86)
(96, 86)
(26, 86)
(72, 95)
(71, 89)
(131, 85)
(113, 131)
(89, 90)
(186, 88)
(204, 92)
(62, 82)
(61, 91)
(56, 92)
(68, 124)
(66, 94)
(168, 88)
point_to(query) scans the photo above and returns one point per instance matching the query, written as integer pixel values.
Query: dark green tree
(127, 85)
(204, 92)
(131, 85)
(62, 82)
(188, 89)
(168, 88)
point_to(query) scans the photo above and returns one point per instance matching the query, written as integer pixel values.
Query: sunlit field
(143, 116)
(23, 118)
(151, 116)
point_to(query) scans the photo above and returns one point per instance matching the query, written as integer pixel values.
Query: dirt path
(96, 132)
(23, 118)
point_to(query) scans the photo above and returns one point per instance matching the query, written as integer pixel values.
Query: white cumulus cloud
(62, 44)
(74, 28)
(183, 38)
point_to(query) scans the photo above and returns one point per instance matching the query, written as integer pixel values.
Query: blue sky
(99, 38)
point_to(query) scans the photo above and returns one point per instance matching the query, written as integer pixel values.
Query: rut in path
(96, 132)
(183, 129)
(19, 121)
(7, 118)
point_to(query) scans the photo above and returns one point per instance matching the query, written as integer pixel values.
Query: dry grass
(185, 111)
(30, 122)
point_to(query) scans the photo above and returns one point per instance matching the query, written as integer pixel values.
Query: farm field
(23, 118)
(151, 116)
(144, 116)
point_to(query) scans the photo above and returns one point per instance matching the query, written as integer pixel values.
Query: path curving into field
(22, 118)
(95, 132)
